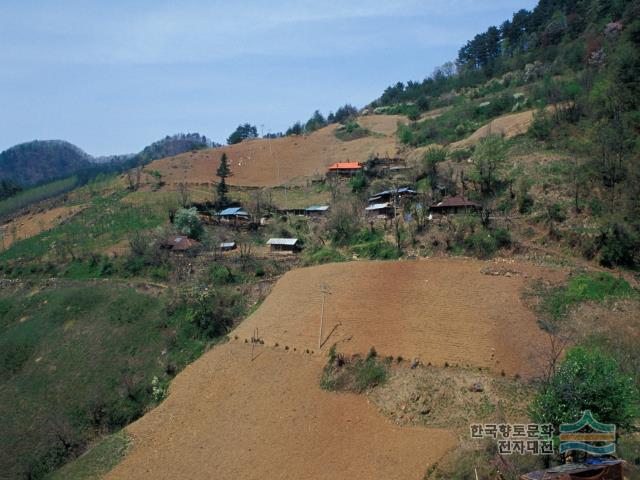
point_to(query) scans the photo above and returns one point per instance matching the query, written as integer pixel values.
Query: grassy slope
(66, 348)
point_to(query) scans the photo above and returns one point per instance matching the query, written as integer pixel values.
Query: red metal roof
(345, 166)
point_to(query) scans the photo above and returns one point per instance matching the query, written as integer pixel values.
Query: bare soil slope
(507, 126)
(282, 160)
(438, 310)
(31, 224)
(228, 417)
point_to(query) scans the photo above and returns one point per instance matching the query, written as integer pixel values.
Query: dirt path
(438, 310)
(282, 160)
(228, 417)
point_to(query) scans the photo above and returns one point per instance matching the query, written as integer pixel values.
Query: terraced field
(437, 310)
(228, 417)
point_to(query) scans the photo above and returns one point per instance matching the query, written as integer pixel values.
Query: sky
(114, 76)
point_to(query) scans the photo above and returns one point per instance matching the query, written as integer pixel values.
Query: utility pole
(324, 289)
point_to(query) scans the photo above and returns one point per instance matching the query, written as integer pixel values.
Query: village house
(346, 169)
(179, 243)
(380, 210)
(233, 214)
(454, 205)
(313, 211)
(283, 244)
(316, 210)
(391, 195)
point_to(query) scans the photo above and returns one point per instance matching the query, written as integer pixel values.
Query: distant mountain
(41, 161)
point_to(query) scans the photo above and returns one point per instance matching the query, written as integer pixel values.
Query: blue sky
(114, 76)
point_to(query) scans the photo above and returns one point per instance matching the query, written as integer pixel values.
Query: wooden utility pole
(324, 289)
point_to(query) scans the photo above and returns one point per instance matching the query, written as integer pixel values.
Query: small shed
(603, 469)
(345, 168)
(316, 210)
(454, 205)
(227, 246)
(180, 243)
(380, 209)
(283, 244)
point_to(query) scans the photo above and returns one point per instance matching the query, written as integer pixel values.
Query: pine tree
(223, 172)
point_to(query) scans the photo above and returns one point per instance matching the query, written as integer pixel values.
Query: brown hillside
(282, 160)
(228, 417)
(438, 310)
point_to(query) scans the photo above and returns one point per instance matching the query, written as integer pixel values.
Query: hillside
(41, 160)
(500, 286)
(292, 159)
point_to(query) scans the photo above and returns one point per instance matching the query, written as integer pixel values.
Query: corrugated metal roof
(378, 206)
(232, 211)
(282, 241)
(390, 192)
(317, 208)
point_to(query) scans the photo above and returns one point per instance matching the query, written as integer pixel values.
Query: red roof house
(345, 168)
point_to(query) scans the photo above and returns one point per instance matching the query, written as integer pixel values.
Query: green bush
(220, 274)
(587, 379)
(322, 255)
(188, 223)
(619, 246)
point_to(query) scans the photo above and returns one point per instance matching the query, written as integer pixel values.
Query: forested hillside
(42, 161)
(577, 64)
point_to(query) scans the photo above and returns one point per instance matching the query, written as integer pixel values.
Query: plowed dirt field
(436, 310)
(282, 160)
(228, 417)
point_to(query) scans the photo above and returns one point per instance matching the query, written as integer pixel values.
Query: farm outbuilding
(454, 205)
(180, 243)
(389, 195)
(227, 246)
(283, 244)
(345, 168)
(316, 210)
(380, 209)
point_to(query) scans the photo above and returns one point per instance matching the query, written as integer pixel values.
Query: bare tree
(183, 194)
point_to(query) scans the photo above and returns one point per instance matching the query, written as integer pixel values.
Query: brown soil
(32, 224)
(436, 310)
(450, 397)
(283, 160)
(228, 417)
(507, 126)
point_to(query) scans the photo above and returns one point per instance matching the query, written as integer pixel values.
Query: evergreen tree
(223, 172)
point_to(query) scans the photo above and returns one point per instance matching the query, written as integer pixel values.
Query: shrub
(220, 275)
(541, 126)
(188, 222)
(587, 379)
(356, 375)
(322, 255)
(620, 246)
